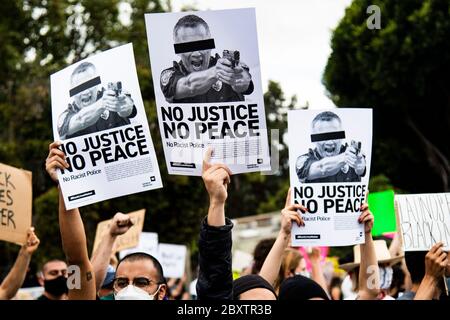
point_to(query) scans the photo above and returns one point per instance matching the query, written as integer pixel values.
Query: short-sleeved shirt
(107, 120)
(219, 91)
(304, 162)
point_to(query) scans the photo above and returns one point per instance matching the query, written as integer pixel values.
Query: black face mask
(57, 286)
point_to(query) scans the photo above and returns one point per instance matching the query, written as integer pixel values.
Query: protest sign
(424, 220)
(127, 240)
(173, 259)
(99, 115)
(381, 204)
(207, 82)
(329, 158)
(15, 204)
(241, 260)
(148, 243)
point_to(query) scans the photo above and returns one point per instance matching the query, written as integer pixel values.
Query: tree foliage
(401, 71)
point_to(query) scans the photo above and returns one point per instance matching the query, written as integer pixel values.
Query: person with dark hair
(330, 161)
(94, 109)
(139, 276)
(301, 288)
(16, 276)
(198, 77)
(335, 289)
(427, 270)
(100, 259)
(260, 253)
(252, 287)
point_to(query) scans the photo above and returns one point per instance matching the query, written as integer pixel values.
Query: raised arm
(215, 279)
(72, 232)
(369, 272)
(316, 269)
(14, 280)
(435, 264)
(271, 267)
(120, 224)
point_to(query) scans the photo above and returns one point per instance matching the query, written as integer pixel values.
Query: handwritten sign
(15, 204)
(173, 259)
(424, 220)
(127, 240)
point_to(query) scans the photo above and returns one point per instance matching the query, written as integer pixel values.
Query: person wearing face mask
(330, 161)
(53, 277)
(284, 262)
(198, 77)
(384, 263)
(139, 276)
(93, 108)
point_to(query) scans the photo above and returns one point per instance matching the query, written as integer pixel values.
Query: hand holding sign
(367, 218)
(55, 159)
(436, 261)
(216, 178)
(289, 214)
(120, 224)
(32, 241)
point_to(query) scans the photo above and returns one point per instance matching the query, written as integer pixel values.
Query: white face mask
(303, 273)
(386, 274)
(134, 293)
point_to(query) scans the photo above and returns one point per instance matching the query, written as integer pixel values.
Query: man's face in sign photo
(194, 60)
(328, 148)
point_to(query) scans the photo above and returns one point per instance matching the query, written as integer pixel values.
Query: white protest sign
(329, 159)
(208, 89)
(148, 243)
(15, 204)
(98, 113)
(241, 260)
(173, 259)
(424, 220)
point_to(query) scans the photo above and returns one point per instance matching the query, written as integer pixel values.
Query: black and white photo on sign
(97, 101)
(211, 60)
(329, 168)
(334, 156)
(99, 115)
(207, 82)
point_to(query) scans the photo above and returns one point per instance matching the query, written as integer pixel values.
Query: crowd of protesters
(279, 271)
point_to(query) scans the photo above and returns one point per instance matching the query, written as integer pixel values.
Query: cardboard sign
(424, 220)
(173, 259)
(127, 240)
(15, 204)
(148, 243)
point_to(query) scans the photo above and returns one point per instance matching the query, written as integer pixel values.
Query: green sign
(382, 206)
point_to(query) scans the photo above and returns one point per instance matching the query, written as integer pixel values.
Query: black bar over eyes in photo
(328, 136)
(84, 86)
(194, 46)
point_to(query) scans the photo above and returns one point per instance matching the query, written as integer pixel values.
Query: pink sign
(304, 251)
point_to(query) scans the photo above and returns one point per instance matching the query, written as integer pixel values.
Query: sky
(294, 41)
